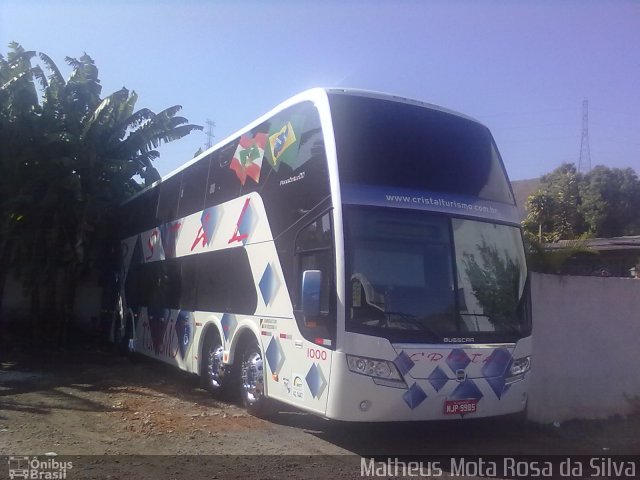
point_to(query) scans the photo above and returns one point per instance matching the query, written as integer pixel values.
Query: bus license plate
(460, 407)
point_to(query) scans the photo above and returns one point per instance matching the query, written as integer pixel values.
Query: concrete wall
(586, 360)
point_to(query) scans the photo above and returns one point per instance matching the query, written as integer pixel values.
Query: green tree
(66, 157)
(552, 212)
(609, 202)
(569, 206)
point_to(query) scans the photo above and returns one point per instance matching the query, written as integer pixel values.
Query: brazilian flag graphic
(284, 141)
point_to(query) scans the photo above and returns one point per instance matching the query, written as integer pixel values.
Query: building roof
(599, 244)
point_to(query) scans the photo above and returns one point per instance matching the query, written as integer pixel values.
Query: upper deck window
(387, 143)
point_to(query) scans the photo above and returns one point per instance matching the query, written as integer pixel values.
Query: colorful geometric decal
(280, 142)
(246, 222)
(438, 379)
(209, 220)
(229, 324)
(458, 360)
(247, 161)
(414, 396)
(185, 326)
(466, 390)
(316, 381)
(169, 237)
(269, 284)
(153, 240)
(275, 355)
(403, 362)
(497, 363)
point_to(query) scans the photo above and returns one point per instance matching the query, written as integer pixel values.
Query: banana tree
(70, 157)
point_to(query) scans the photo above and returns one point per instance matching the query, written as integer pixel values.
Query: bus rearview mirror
(311, 284)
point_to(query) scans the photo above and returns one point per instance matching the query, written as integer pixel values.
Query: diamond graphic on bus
(498, 385)
(458, 359)
(466, 390)
(414, 396)
(209, 221)
(438, 379)
(497, 363)
(316, 381)
(275, 355)
(269, 284)
(404, 362)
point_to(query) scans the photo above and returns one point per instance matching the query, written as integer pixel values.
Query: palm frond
(40, 76)
(179, 132)
(55, 75)
(170, 112)
(19, 54)
(104, 108)
(13, 80)
(127, 108)
(73, 62)
(145, 159)
(129, 124)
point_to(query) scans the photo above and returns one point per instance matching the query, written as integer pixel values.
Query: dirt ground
(94, 406)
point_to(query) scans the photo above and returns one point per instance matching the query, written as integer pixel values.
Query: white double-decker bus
(353, 254)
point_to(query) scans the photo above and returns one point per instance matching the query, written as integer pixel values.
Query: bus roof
(313, 95)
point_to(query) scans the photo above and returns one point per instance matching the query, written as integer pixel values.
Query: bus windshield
(424, 277)
(385, 143)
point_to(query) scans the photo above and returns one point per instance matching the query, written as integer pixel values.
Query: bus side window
(193, 188)
(168, 202)
(314, 252)
(222, 184)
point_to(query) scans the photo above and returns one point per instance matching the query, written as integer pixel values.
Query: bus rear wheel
(252, 380)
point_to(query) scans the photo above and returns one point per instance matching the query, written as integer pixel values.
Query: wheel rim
(215, 366)
(252, 379)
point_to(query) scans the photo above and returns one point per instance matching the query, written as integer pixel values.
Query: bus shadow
(502, 436)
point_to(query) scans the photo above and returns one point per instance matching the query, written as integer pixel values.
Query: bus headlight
(520, 366)
(383, 372)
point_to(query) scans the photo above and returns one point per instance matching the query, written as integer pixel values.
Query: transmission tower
(209, 133)
(584, 165)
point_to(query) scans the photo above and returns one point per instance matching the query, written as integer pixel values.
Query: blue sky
(522, 67)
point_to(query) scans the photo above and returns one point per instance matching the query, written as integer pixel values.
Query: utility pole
(209, 133)
(584, 165)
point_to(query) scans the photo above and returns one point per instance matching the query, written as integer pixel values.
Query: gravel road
(94, 406)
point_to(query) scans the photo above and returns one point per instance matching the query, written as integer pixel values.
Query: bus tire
(252, 379)
(212, 369)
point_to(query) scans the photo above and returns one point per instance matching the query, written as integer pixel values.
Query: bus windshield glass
(423, 277)
(382, 143)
